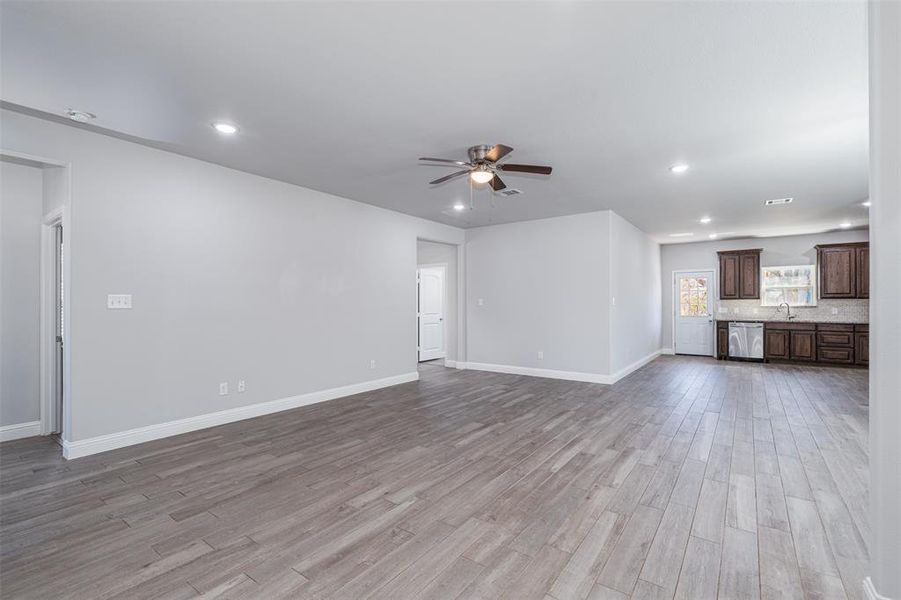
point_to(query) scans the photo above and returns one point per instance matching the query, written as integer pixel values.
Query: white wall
(431, 253)
(233, 277)
(635, 295)
(885, 290)
(545, 287)
(20, 293)
(787, 250)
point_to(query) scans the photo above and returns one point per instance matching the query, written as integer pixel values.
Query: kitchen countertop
(764, 320)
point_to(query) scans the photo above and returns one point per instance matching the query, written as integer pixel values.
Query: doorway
(439, 291)
(693, 312)
(431, 283)
(35, 313)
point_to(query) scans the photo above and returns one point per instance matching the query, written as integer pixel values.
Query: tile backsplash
(826, 311)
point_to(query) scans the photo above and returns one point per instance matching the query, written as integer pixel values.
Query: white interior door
(431, 312)
(693, 308)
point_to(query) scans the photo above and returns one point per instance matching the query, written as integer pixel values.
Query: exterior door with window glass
(693, 303)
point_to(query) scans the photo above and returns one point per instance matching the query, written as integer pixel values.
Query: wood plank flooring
(691, 479)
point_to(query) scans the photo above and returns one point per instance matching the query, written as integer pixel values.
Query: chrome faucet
(788, 310)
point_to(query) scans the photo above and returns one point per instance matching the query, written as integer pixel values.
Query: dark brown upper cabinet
(844, 270)
(862, 255)
(739, 274)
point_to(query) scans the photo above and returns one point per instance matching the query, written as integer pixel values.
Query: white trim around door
(706, 348)
(431, 317)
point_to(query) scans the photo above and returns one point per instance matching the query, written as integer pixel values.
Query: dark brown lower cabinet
(862, 347)
(722, 339)
(776, 344)
(803, 345)
(836, 355)
(826, 343)
(835, 343)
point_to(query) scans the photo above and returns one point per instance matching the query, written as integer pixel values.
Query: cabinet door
(829, 354)
(803, 345)
(838, 272)
(863, 271)
(722, 342)
(862, 348)
(775, 344)
(729, 284)
(749, 275)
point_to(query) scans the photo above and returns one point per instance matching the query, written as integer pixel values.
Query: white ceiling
(762, 99)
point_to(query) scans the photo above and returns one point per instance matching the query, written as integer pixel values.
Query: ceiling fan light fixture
(482, 176)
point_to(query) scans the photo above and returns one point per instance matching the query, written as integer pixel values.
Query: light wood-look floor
(690, 479)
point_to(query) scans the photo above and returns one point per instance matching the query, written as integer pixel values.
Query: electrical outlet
(223, 388)
(735, 310)
(371, 364)
(540, 355)
(834, 310)
(242, 386)
(480, 302)
(118, 301)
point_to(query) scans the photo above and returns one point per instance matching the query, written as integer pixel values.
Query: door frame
(444, 267)
(49, 290)
(48, 349)
(712, 299)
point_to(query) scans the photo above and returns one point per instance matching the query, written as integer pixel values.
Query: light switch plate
(118, 301)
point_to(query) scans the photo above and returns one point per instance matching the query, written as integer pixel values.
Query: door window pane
(693, 296)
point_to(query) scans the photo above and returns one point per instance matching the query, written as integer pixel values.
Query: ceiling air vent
(508, 192)
(778, 201)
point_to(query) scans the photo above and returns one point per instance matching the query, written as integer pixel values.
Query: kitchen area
(797, 299)
(830, 300)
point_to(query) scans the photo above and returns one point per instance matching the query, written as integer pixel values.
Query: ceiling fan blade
(526, 169)
(497, 184)
(448, 161)
(449, 177)
(498, 152)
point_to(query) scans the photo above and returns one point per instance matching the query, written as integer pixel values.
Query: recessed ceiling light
(844, 225)
(705, 220)
(225, 128)
(685, 234)
(778, 201)
(867, 203)
(459, 206)
(79, 116)
(678, 168)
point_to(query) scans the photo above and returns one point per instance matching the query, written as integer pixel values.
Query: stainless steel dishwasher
(746, 340)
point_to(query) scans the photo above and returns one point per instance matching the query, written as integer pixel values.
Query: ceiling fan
(483, 166)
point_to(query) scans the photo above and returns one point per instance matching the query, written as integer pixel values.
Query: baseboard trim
(667, 351)
(534, 372)
(18, 431)
(450, 364)
(870, 592)
(635, 366)
(112, 441)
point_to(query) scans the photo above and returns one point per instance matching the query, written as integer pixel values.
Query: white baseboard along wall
(19, 431)
(554, 374)
(112, 441)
